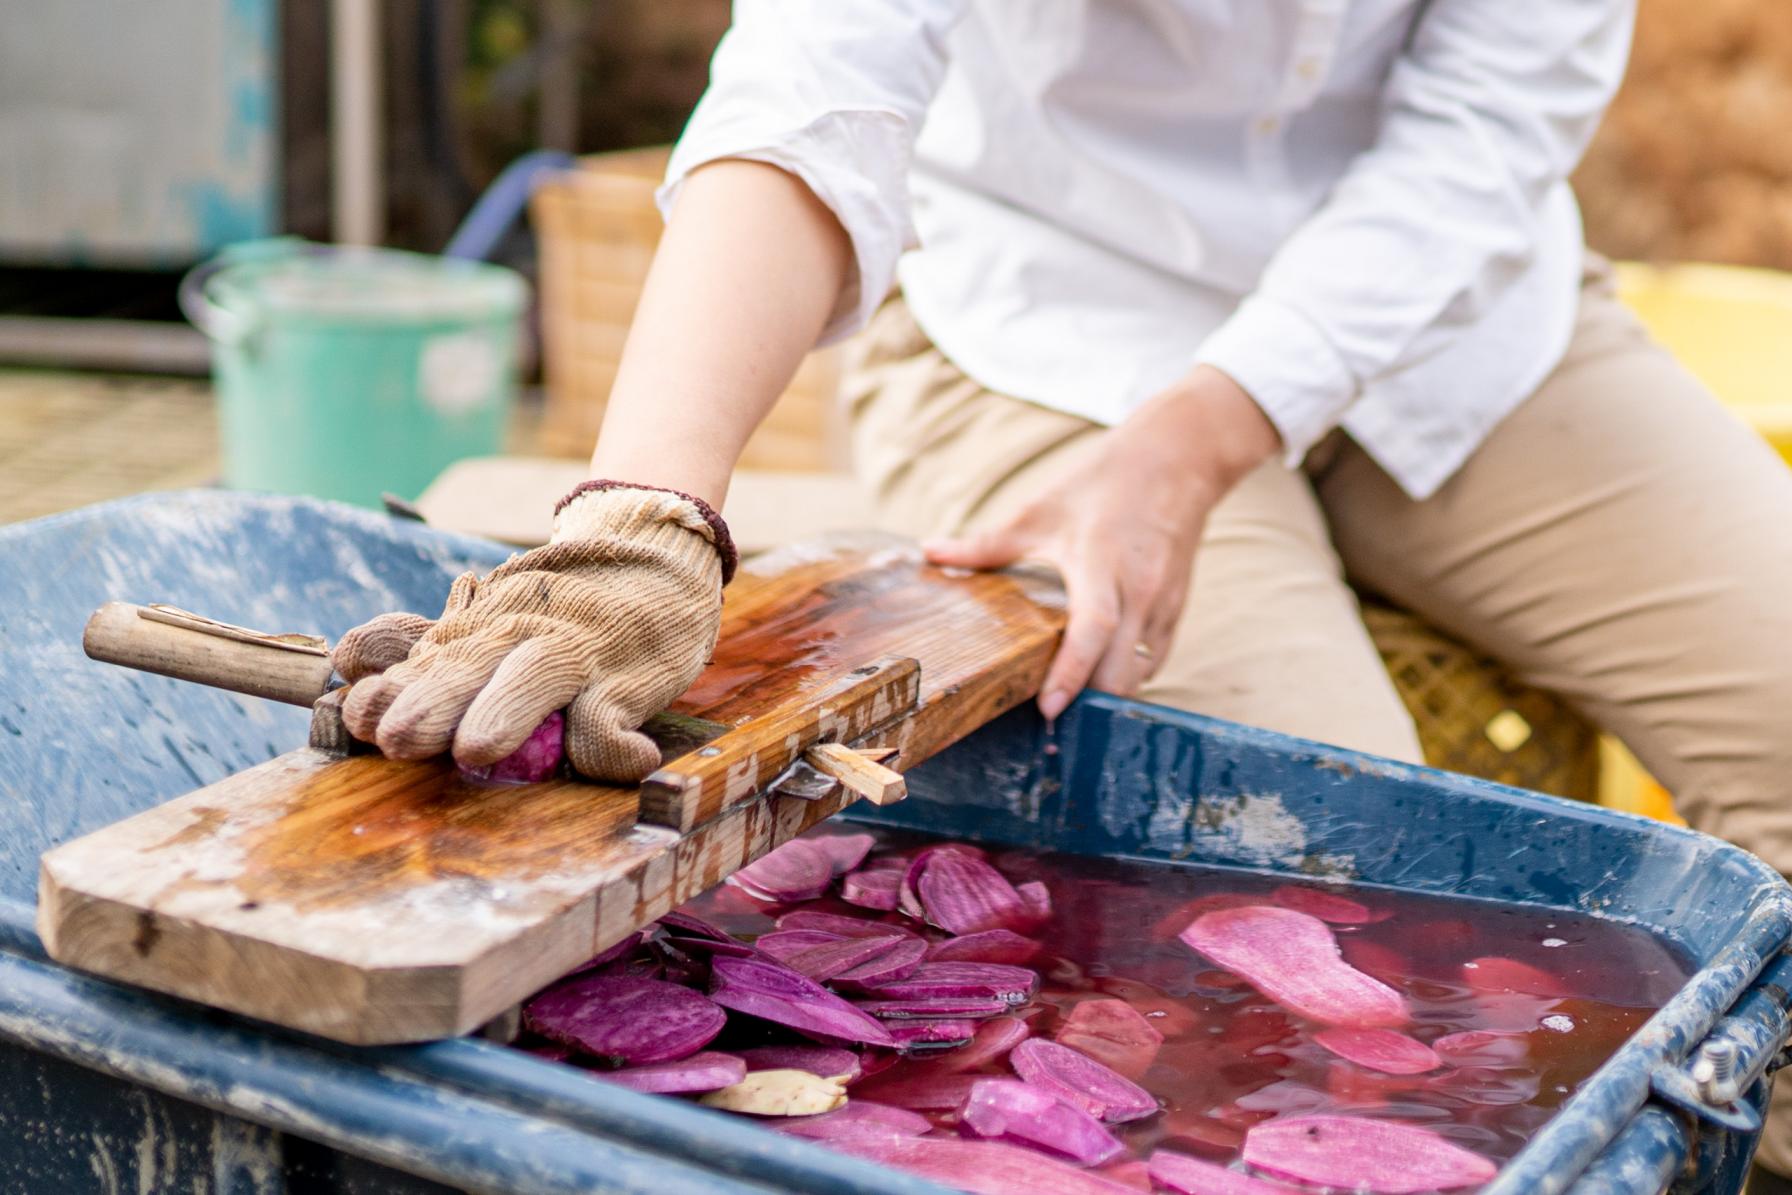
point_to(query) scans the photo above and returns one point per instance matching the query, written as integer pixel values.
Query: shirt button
(1307, 68)
(1267, 125)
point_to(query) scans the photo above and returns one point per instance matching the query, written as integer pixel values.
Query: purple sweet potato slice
(620, 950)
(974, 1008)
(1036, 901)
(1112, 1032)
(1356, 1153)
(1192, 1176)
(774, 993)
(962, 894)
(782, 943)
(845, 851)
(937, 981)
(897, 962)
(922, 1090)
(1078, 1079)
(993, 1041)
(689, 925)
(1482, 1047)
(826, 1061)
(873, 889)
(1293, 959)
(798, 870)
(980, 1167)
(840, 925)
(859, 1114)
(1022, 1114)
(706, 1070)
(825, 962)
(920, 1036)
(706, 947)
(1327, 906)
(1495, 974)
(1384, 1050)
(985, 946)
(538, 758)
(628, 1020)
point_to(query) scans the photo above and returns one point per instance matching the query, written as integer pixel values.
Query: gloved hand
(611, 620)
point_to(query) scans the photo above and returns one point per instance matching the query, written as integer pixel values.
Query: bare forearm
(745, 277)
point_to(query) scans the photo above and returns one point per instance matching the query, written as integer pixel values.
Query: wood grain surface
(372, 900)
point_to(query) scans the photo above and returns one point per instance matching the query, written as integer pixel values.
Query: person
(1222, 307)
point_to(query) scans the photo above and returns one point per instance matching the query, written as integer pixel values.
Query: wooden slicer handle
(187, 646)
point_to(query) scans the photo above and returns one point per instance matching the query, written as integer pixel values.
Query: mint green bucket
(347, 373)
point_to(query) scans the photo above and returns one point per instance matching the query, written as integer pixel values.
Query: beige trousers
(1620, 540)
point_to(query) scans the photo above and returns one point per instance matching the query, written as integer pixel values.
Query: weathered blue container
(105, 1088)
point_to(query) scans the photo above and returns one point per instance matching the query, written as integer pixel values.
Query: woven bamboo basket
(1473, 717)
(597, 227)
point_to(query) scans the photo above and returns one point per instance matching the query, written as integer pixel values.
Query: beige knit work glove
(611, 620)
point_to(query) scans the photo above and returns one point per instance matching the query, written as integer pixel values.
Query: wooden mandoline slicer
(373, 900)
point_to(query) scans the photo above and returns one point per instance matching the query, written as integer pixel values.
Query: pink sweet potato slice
(1384, 1050)
(825, 961)
(703, 1071)
(1293, 959)
(963, 894)
(980, 1167)
(774, 993)
(1192, 1176)
(840, 925)
(857, 1114)
(1113, 1033)
(915, 1036)
(985, 946)
(798, 870)
(1495, 974)
(845, 851)
(896, 962)
(1022, 1114)
(922, 1090)
(993, 1040)
(628, 1020)
(1482, 1047)
(1036, 900)
(826, 1061)
(1357, 1153)
(936, 1008)
(873, 889)
(1327, 906)
(931, 981)
(1078, 1079)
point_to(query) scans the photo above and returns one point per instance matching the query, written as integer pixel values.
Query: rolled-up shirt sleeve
(833, 92)
(1485, 113)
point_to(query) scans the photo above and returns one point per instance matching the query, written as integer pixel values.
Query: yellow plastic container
(1732, 327)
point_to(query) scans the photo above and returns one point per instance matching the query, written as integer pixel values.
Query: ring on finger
(1143, 650)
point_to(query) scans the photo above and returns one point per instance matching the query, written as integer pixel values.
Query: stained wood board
(371, 900)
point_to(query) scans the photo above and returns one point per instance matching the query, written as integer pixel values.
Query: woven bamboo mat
(69, 439)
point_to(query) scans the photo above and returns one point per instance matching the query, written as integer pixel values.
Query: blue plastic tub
(111, 1088)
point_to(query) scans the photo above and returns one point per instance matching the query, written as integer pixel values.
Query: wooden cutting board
(372, 900)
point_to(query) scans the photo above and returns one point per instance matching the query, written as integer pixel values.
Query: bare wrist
(1212, 416)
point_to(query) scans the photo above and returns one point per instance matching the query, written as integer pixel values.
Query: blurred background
(386, 251)
(142, 141)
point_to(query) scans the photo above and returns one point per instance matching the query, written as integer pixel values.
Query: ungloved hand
(611, 620)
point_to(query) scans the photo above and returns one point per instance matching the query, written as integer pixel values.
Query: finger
(1094, 615)
(421, 720)
(984, 549)
(461, 593)
(535, 679)
(1123, 666)
(1162, 622)
(377, 644)
(369, 699)
(602, 744)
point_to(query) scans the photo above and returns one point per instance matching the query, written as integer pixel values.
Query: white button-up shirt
(1358, 210)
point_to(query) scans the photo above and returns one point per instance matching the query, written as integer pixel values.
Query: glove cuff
(706, 517)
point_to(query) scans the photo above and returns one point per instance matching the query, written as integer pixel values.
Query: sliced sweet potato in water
(1360, 1154)
(1293, 959)
(841, 925)
(1022, 1114)
(857, 1114)
(779, 1093)
(826, 1061)
(981, 1167)
(985, 946)
(873, 889)
(1113, 1033)
(1496, 974)
(920, 1090)
(1193, 1176)
(625, 1019)
(1383, 1050)
(1331, 907)
(705, 1070)
(845, 851)
(962, 894)
(897, 962)
(1079, 1080)
(940, 980)
(1483, 1047)
(992, 1041)
(798, 870)
(774, 993)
